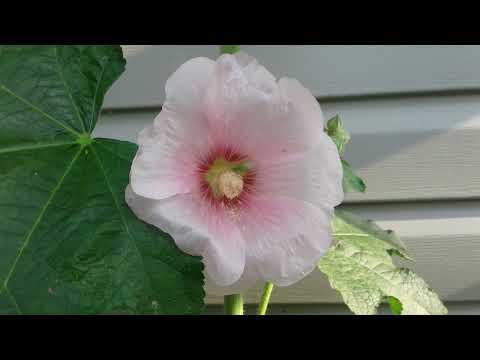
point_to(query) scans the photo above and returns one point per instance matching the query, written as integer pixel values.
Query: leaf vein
(124, 222)
(117, 205)
(114, 153)
(38, 110)
(104, 66)
(39, 219)
(383, 277)
(67, 89)
(13, 300)
(36, 146)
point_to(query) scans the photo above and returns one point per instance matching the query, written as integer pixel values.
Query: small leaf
(341, 137)
(361, 268)
(338, 133)
(350, 181)
(395, 305)
(229, 49)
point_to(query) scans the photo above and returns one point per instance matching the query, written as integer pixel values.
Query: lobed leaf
(68, 242)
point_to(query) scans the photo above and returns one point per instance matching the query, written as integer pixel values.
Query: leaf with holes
(68, 242)
(361, 268)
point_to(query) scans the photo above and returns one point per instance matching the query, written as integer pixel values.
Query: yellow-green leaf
(361, 268)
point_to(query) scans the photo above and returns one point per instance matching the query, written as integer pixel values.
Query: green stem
(267, 292)
(233, 304)
(229, 49)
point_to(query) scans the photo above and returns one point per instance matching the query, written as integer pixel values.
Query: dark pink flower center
(226, 177)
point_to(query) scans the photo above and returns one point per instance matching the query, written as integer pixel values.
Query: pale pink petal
(197, 229)
(304, 102)
(185, 88)
(166, 159)
(249, 278)
(183, 110)
(257, 75)
(285, 238)
(314, 176)
(245, 107)
(170, 149)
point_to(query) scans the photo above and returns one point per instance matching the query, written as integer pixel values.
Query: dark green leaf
(350, 181)
(395, 305)
(68, 242)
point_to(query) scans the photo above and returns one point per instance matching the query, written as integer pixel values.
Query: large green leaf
(361, 268)
(68, 242)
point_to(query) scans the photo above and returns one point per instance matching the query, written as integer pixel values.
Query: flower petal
(285, 238)
(163, 166)
(314, 176)
(198, 229)
(245, 107)
(168, 151)
(249, 278)
(185, 88)
(304, 102)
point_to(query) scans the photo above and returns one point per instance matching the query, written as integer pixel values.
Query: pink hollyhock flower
(237, 169)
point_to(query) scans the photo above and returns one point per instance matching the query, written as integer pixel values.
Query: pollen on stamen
(230, 184)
